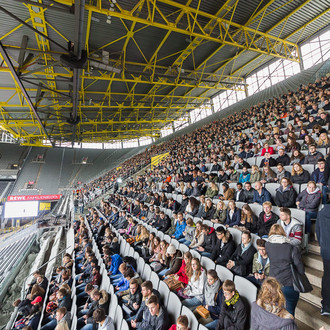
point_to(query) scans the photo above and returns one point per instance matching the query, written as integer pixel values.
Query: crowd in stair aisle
(234, 202)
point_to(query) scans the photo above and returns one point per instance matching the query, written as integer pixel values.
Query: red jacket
(97, 278)
(270, 150)
(182, 274)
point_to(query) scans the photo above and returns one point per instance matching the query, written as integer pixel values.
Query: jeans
(88, 326)
(325, 191)
(184, 241)
(82, 312)
(308, 221)
(212, 325)
(291, 298)
(325, 290)
(50, 325)
(206, 254)
(191, 303)
(252, 279)
(163, 272)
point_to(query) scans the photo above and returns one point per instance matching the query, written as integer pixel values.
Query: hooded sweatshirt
(309, 201)
(107, 325)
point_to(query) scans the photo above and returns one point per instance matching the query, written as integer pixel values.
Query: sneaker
(325, 312)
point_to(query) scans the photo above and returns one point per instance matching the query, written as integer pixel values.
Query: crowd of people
(211, 169)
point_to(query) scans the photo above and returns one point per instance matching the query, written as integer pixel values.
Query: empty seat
(113, 306)
(124, 325)
(193, 323)
(174, 307)
(237, 235)
(195, 254)
(164, 292)
(207, 263)
(118, 318)
(140, 266)
(146, 272)
(154, 278)
(183, 248)
(224, 273)
(246, 289)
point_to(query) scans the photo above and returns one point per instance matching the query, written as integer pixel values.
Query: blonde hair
(276, 229)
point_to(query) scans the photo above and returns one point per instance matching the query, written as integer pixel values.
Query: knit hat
(171, 249)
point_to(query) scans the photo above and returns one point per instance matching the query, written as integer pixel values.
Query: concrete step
(314, 276)
(313, 260)
(314, 247)
(313, 297)
(302, 326)
(310, 315)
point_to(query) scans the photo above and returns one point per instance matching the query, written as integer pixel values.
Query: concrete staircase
(308, 309)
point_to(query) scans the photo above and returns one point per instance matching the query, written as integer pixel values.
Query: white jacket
(107, 325)
(195, 288)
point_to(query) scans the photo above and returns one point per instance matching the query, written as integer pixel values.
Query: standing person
(281, 255)
(323, 233)
(270, 308)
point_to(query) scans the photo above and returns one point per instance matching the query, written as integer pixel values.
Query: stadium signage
(33, 198)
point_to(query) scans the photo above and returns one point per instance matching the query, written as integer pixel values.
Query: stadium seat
(195, 254)
(154, 278)
(140, 266)
(207, 263)
(113, 306)
(167, 238)
(118, 319)
(193, 322)
(183, 248)
(237, 235)
(164, 292)
(224, 273)
(124, 325)
(146, 272)
(174, 307)
(246, 289)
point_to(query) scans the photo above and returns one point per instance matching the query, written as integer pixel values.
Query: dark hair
(148, 285)
(221, 230)
(247, 232)
(261, 242)
(153, 300)
(99, 315)
(285, 210)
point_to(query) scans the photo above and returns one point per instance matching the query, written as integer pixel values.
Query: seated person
(206, 248)
(212, 300)
(105, 322)
(266, 219)
(234, 313)
(154, 317)
(195, 288)
(182, 323)
(260, 268)
(285, 195)
(134, 298)
(224, 246)
(240, 263)
(248, 220)
(261, 194)
(309, 200)
(292, 227)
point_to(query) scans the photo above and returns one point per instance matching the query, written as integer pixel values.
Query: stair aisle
(309, 304)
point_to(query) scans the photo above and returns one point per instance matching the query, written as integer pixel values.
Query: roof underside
(148, 62)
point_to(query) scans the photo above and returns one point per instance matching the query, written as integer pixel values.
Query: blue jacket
(123, 284)
(236, 219)
(179, 229)
(264, 197)
(114, 217)
(317, 177)
(243, 179)
(116, 260)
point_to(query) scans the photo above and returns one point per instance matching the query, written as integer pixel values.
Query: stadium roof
(105, 70)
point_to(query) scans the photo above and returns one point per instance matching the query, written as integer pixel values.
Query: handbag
(203, 312)
(300, 281)
(173, 284)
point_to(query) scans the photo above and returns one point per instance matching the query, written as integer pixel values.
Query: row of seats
(170, 300)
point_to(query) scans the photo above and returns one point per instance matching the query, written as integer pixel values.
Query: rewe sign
(33, 198)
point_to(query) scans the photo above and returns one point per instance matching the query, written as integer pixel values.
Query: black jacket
(284, 160)
(272, 162)
(208, 214)
(285, 198)
(222, 254)
(249, 196)
(264, 227)
(302, 178)
(209, 241)
(163, 224)
(134, 298)
(233, 317)
(243, 262)
(280, 257)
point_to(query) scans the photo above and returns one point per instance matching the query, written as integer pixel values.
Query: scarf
(210, 292)
(245, 248)
(278, 239)
(233, 300)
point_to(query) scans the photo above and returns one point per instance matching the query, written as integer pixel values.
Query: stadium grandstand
(164, 164)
